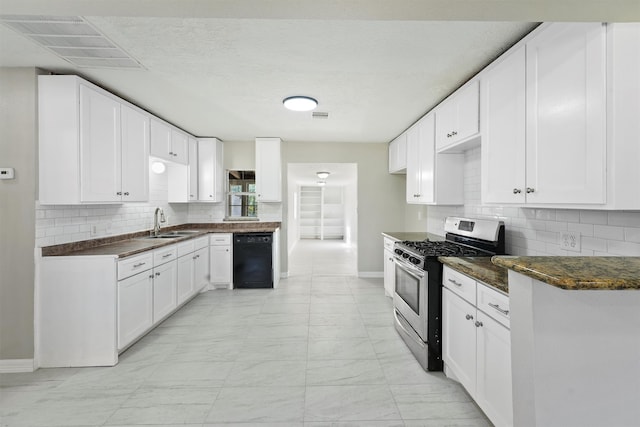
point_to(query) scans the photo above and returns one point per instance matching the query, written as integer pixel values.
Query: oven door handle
(414, 271)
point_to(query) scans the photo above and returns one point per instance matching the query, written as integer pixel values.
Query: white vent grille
(72, 39)
(319, 115)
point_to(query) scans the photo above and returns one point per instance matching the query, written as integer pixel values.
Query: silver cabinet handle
(478, 324)
(517, 191)
(171, 153)
(497, 307)
(390, 259)
(454, 133)
(166, 255)
(191, 195)
(454, 282)
(157, 274)
(126, 193)
(530, 190)
(119, 193)
(469, 317)
(211, 196)
(140, 264)
(151, 277)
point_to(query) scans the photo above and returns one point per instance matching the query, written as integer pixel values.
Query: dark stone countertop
(414, 236)
(481, 269)
(577, 273)
(125, 245)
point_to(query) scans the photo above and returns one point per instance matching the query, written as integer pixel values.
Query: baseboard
(8, 366)
(371, 274)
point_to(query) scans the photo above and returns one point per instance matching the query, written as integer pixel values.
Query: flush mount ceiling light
(300, 103)
(322, 175)
(158, 167)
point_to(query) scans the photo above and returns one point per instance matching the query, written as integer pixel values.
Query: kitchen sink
(174, 234)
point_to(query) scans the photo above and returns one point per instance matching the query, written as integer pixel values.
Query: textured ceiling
(214, 68)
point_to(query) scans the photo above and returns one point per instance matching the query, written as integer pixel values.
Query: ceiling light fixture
(158, 167)
(323, 175)
(300, 103)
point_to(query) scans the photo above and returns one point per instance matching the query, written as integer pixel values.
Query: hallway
(318, 351)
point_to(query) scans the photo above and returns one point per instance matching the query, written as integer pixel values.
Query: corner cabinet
(435, 179)
(221, 260)
(458, 119)
(168, 143)
(389, 267)
(268, 170)
(93, 146)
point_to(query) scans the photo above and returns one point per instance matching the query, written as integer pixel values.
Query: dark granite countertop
(414, 236)
(130, 244)
(579, 273)
(481, 269)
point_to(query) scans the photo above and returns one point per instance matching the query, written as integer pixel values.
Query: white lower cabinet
(221, 261)
(193, 269)
(389, 268)
(135, 307)
(477, 343)
(186, 285)
(165, 281)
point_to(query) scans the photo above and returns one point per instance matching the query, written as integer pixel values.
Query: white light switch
(7, 173)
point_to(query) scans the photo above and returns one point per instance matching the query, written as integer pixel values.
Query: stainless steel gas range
(417, 298)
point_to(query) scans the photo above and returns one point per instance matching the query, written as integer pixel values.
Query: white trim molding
(371, 274)
(8, 366)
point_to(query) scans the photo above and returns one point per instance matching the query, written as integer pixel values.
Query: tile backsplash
(57, 224)
(538, 231)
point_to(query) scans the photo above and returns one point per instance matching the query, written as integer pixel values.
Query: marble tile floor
(318, 351)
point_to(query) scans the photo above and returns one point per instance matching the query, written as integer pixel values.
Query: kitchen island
(575, 340)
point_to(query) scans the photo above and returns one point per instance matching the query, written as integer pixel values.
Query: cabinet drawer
(388, 243)
(134, 265)
(458, 283)
(218, 239)
(163, 255)
(494, 303)
(185, 248)
(200, 242)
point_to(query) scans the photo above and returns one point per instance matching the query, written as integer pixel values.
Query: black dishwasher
(252, 260)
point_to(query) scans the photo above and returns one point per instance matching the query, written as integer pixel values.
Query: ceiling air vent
(73, 39)
(319, 115)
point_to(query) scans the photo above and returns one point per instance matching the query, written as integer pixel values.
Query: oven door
(410, 296)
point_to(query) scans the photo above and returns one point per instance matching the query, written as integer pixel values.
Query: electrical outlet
(94, 230)
(570, 241)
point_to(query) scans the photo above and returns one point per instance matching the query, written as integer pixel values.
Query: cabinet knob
(151, 277)
(530, 190)
(448, 135)
(211, 196)
(119, 193)
(191, 195)
(171, 153)
(469, 317)
(126, 193)
(157, 274)
(478, 324)
(517, 191)
(454, 133)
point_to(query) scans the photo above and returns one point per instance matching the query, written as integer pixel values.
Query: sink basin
(174, 234)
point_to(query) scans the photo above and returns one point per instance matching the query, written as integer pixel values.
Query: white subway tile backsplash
(535, 231)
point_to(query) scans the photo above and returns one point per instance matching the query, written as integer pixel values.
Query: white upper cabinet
(210, 170)
(398, 154)
(135, 154)
(566, 122)
(268, 170)
(193, 170)
(457, 120)
(431, 178)
(168, 143)
(503, 131)
(93, 146)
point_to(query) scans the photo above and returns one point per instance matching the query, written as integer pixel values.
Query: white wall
(537, 231)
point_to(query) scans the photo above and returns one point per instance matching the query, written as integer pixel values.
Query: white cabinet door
(210, 170)
(503, 131)
(445, 123)
(164, 290)
(414, 172)
(268, 170)
(201, 268)
(468, 112)
(389, 273)
(135, 155)
(426, 157)
(179, 147)
(160, 140)
(185, 285)
(135, 307)
(459, 339)
(99, 147)
(398, 154)
(566, 103)
(493, 390)
(193, 170)
(220, 264)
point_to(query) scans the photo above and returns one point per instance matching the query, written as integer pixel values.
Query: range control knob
(398, 251)
(414, 260)
(405, 255)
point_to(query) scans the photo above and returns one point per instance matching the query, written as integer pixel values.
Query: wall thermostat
(7, 173)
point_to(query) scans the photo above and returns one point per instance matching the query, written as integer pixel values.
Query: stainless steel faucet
(157, 219)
